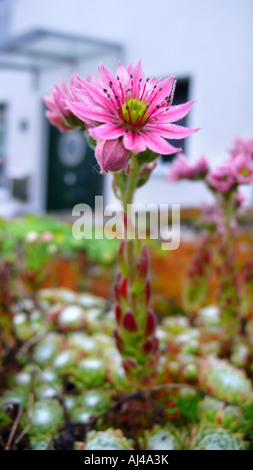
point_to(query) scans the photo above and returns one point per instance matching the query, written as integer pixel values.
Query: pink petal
(177, 112)
(108, 78)
(130, 68)
(94, 112)
(166, 86)
(138, 80)
(99, 96)
(134, 142)
(57, 121)
(107, 131)
(162, 89)
(171, 131)
(123, 75)
(95, 92)
(158, 144)
(50, 102)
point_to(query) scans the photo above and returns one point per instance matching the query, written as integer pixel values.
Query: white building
(209, 43)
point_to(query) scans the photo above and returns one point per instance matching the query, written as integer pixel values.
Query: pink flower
(242, 146)
(239, 200)
(58, 114)
(181, 169)
(129, 108)
(201, 168)
(111, 155)
(242, 166)
(222, 178)
(47, 236)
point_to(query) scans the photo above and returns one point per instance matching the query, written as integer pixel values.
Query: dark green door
(73, 173)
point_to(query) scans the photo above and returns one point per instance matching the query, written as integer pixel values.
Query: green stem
(132, 182)
(128, 199)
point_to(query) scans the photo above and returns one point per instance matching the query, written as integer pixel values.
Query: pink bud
(150, 346)
(111, 155)
(119, 340)
(118, 314)
(123, 288)
(201, 168)
(129, 322)
(151, 323)
(129, 364)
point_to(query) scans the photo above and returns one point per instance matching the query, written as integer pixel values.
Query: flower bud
(151, 323)
(129, 364)
(118, 340)
(129, 322)
(111, 155)
(151, 346)
(123, 288)
(118, 314)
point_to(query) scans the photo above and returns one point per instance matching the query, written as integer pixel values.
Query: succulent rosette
(208, 438)
(220, 378)
(111, 439)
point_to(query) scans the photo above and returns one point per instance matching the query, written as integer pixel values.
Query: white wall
(211, 41)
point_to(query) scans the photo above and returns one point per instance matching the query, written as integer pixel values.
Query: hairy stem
(127, 200)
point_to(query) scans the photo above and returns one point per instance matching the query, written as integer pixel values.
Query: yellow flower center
(244, 172)
(134, 111)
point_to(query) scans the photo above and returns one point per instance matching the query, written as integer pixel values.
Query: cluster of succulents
(179, 343)
(74, 369)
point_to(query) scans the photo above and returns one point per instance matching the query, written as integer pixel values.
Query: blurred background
(206, 45)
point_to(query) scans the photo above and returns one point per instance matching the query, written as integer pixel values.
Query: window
(181, 96)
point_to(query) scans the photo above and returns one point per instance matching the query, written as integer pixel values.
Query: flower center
(134, 111)
(244, 172)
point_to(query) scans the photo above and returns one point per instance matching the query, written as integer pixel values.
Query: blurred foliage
(13, 233)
